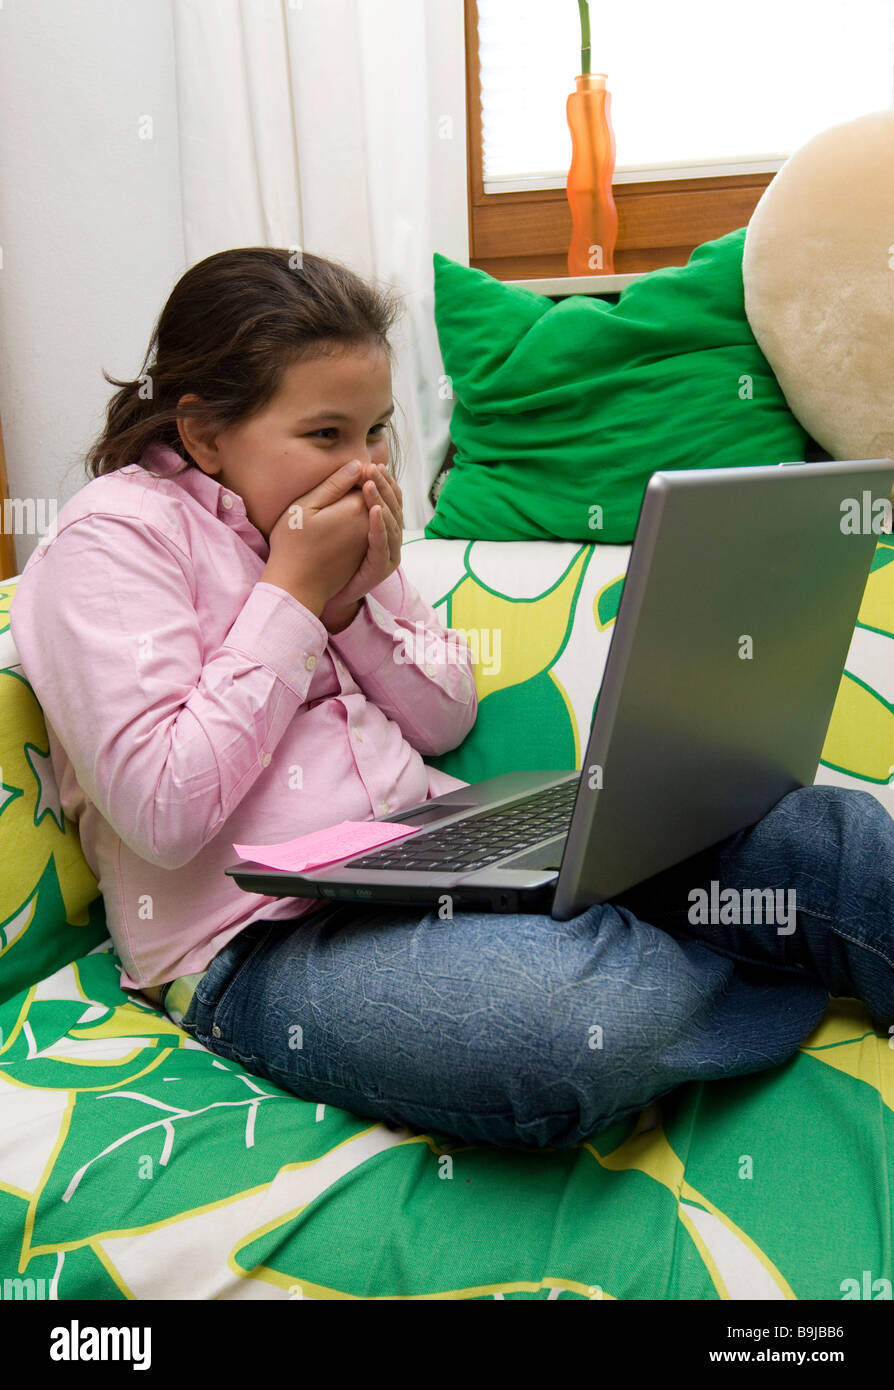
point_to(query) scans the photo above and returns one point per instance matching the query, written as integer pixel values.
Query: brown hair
(232, 325)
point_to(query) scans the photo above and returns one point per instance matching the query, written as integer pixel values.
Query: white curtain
(336, 126)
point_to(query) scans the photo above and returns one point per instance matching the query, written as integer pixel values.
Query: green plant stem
(584, 7)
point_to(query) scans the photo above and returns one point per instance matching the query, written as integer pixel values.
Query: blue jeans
(518, 1030)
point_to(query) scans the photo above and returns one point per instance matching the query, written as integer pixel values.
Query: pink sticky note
(325, 846)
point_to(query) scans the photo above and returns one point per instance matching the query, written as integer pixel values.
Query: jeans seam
(865, 946)
(839, 931)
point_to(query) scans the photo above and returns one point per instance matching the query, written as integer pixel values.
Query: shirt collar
(221, 502)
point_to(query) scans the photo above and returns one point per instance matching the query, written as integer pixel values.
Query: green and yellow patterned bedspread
(134, 1164)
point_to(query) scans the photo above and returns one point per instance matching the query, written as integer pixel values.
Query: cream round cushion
(818, 271)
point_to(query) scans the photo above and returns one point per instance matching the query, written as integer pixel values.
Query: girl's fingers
(395, 496)
(385, 532)
(378, 535)
(392, 480)
(390, 491)
(393, 534)
(381, 536)
(393, 522)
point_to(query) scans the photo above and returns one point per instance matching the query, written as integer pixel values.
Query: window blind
(698, 88)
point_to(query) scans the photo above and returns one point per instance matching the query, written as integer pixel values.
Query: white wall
(90, 223)
(92, 215)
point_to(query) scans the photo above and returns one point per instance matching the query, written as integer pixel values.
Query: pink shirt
(190, 705)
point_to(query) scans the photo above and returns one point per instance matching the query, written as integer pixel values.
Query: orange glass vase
(594, 216)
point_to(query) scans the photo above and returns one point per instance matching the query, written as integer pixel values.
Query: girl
(211, 633)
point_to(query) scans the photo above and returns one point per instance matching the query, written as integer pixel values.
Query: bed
(134, 1164)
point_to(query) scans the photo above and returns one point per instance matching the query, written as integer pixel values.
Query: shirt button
(310, 662)
(357, 734)
(227, 500)
(429, 670)
(384, 808)
(265, 761)
(215, 1031)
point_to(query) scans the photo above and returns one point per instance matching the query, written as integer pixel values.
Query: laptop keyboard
(480, 840)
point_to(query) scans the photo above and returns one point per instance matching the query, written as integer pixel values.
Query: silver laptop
(734, 625)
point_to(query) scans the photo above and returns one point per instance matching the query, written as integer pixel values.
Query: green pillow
(564, 410)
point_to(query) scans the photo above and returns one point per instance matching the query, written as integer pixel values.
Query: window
(708, 100)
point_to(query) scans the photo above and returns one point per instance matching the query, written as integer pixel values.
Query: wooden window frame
(519, 236)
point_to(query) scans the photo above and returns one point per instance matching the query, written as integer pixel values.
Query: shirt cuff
(279, 632)
(367, 640)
